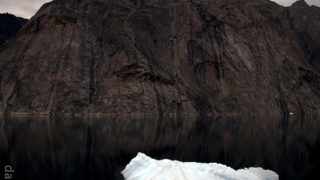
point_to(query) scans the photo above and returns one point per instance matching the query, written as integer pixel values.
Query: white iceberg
(143, 167)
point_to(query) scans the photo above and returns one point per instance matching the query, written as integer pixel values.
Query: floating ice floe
(143, 167)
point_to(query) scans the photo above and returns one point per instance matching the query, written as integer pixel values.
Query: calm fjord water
(99, 148)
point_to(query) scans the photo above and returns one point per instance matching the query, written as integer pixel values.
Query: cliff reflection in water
(99, 148)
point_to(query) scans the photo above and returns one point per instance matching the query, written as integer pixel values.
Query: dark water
(99, 148)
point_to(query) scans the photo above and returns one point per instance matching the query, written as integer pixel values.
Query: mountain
(9, 26)
(300, 3)
(159, 57)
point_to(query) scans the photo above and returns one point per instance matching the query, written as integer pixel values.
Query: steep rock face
(300, 4)
(9, 26)
(156, 57)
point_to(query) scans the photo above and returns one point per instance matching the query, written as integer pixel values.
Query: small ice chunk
(143, 167)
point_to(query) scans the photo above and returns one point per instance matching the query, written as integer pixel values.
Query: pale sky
(27, 8)
(21, 8)
(289, 2)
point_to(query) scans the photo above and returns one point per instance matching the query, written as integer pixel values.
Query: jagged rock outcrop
(9, 26)
(157, 57)
(300, 4)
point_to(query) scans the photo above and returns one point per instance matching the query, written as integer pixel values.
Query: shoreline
(139, 115)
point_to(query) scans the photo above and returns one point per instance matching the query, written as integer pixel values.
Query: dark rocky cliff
(161, 56)
(9, 26)
(300, 4)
